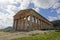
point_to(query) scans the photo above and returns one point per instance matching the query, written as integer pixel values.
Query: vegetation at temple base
(45, 36)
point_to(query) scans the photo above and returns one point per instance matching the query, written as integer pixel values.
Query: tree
(56, 24)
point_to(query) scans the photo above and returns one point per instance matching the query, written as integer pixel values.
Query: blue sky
(50, 9)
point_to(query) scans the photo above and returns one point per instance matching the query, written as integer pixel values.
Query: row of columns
(23, 24)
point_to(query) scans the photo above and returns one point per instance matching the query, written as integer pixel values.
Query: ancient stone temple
(29, 19)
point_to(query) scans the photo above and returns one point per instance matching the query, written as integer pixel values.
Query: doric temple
(29, 19)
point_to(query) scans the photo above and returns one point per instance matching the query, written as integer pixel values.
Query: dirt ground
(9, 35)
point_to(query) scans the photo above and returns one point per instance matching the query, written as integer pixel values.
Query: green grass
(45, 36)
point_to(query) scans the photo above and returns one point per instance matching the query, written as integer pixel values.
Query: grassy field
(46, 36)
(4, 33)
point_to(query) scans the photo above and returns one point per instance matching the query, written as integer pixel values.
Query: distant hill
(56, 24)
(8, 29)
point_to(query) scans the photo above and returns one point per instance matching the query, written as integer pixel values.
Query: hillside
(56, 24)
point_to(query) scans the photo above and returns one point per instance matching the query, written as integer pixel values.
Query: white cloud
(56, 5)
(11, 1)
(7, 18)
(52, 18)
(44, 3)
(58, 16)
(58, 11)
(24, 4)
(4, 3)
(36, 9)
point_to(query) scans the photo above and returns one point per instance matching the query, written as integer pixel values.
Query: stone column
(31, 28)
(26, 24)
(14, 24)
(34, 20)
(44, 24)
(35, 23)
(22, 24)
(38, 24)
(41, 24)
(18, 24)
